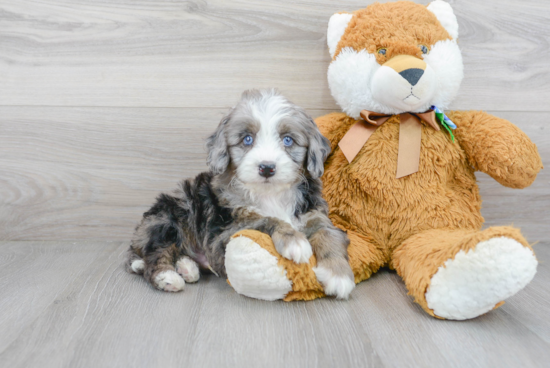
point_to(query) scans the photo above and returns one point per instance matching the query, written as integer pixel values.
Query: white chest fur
(280, 205)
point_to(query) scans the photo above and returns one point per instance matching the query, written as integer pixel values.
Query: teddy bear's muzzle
(404, 82)
(402, 63)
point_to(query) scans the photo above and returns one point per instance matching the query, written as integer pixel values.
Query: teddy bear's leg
(255, 268)
(365, 258)
(461, 274)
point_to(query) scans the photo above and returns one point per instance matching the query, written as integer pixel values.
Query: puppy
(265, 161)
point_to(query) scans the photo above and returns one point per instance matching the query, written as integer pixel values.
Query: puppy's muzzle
(267, 169)
(409, 67)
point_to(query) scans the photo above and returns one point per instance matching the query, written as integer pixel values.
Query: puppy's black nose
(412, 75)
(267, 169)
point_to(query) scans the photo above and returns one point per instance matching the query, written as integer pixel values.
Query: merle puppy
(265, 161)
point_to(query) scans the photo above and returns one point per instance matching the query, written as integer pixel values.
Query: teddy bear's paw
(188, 269)
(169, 281)
(338, 285)
(254, 272)
(295, 247)
(473, 283)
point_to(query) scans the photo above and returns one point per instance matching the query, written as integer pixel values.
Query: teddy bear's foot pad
(254, 272)
(474, 282)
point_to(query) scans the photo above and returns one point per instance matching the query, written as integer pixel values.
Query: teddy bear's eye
(424, 49)
(382, 51)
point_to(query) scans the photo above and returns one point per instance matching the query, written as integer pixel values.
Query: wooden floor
(103, 104)
(71, 304)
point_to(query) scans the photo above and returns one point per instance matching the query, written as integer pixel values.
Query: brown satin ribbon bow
(410, 135)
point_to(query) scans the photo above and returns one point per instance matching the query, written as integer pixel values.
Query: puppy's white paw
(188, 269)
(169, 281)
(138, 266)
(336, 285)
(298, 250)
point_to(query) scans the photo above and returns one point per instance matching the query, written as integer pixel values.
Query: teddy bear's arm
(497, 147)
(289, 242)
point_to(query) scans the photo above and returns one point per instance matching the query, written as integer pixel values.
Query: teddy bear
(400, 178)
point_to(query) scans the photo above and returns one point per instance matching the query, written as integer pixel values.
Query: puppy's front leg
(289, 242)
(330, 247)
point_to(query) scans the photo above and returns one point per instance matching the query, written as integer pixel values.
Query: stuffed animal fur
(388, 60)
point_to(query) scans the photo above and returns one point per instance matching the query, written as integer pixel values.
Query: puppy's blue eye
(287, 141)
(248, 140)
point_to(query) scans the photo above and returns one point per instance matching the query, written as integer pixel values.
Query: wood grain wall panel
(77, 173)
(89, 172)
(204, 53)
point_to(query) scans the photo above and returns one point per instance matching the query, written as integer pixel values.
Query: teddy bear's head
(395, 57)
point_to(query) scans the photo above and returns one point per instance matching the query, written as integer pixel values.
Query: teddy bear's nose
(409, 67)
(412, 75)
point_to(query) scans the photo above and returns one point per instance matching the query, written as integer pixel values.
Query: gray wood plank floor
(71, 304)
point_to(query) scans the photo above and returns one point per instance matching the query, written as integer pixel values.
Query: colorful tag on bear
(445, 121)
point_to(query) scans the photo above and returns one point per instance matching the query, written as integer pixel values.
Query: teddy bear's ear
(336, 27)
(445, 16)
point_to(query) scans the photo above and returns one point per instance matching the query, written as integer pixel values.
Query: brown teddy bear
(400, 179)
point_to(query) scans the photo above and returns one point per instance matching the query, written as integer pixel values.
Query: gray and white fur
(265, 160)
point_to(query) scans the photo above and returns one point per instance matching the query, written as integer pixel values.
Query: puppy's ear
(318, 151)
(218, 153)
